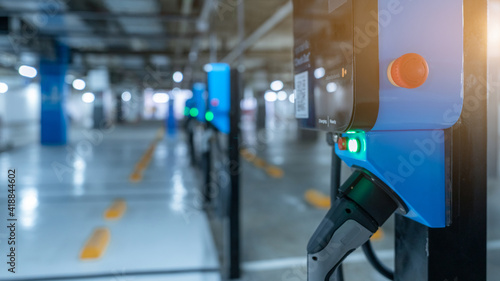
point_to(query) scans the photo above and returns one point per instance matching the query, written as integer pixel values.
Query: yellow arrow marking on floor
(116, 210)
(96, 245)
(136, 175)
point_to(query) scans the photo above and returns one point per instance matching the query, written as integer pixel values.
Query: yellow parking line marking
(136, 175)
(247, 155)
(160, 133)
(245, 152)
(377, 236)
(275, 172)
(271, 170)
(317, 199)
(259, 163)
(96, 245)
(116, 210)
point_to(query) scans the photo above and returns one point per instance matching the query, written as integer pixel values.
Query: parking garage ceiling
(132, 36)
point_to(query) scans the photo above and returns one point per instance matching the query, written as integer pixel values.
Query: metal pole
(207, 169)
(241, 29)
(234, 167)
(457, 252)
(335, 173)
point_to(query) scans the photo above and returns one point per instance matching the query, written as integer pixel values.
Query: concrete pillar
(54, 124)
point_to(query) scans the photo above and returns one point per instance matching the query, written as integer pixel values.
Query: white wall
(19, 112)
(21, 103)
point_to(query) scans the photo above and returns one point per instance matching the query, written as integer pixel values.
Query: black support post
(207, 169)
(457, 252)
(335, 172)
(234, 167)
(190, 132)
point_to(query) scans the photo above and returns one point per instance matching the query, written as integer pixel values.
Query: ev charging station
(199, 95)
(223, 115)
(218, 110)
(219, 96)
(399, 78)
(195, 112)
(196, 105)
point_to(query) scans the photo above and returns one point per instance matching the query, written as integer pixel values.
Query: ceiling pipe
(202, 25)
(100, 15)
(267, 26)
(108, 36)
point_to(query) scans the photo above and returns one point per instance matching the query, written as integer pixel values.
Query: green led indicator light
(209, 116)
(194, 112)
(186, 111)
(353, 145)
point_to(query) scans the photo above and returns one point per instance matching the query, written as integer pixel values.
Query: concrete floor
(64, 191)
(163, 228)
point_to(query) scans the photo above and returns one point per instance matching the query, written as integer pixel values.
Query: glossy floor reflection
(62, 193)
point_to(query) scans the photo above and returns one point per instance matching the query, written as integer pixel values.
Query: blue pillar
(171, 123)
(54, 124)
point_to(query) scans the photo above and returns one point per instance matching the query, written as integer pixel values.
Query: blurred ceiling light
(27, 71)
(79, 84)
(282, 95)
(291, 98)
(178, 77)
(126, 96)
(161, 98)
(88, 98)
(208, 67)
(277, 85)
(3, 88)
(270, 96)
(331, 87)
(319, 73)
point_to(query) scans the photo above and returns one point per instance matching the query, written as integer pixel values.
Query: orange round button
(408, 71)
(342, 143)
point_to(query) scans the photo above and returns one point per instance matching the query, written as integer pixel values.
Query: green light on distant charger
(194, 112)
(186, 111)
(353, 145)
(209, 116)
